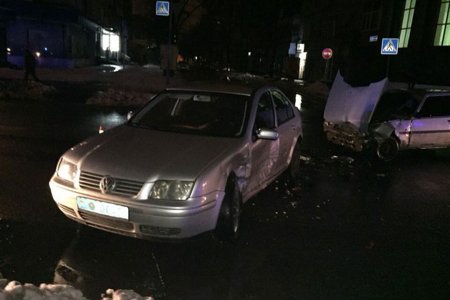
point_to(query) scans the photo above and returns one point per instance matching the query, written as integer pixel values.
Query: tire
(228, 223)
(294, 168)
(387, 149)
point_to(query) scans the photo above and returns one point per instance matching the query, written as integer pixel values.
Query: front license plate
(103, 208)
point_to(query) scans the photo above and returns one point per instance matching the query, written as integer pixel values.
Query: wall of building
(347, 25)
(55, 45)
(59, 35)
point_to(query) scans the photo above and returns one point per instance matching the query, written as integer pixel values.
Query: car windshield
(212, 114)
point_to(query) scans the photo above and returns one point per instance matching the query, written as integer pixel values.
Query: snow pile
(17, 90)
(243, 76)
(114, 97)
(124, 295)
(14, 290)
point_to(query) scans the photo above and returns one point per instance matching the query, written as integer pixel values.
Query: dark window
(371, 15)
(394, 105)
(283, 107)
(436, 106)
(264, 114)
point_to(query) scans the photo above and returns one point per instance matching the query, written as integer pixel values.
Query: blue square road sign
(389, 46)
(162, 8)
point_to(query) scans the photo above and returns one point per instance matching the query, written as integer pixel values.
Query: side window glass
(264, 114)
(435, 107)
(283, 107)
(445, 100)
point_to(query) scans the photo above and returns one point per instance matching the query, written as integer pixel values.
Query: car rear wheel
(228, 224)
(387, 149)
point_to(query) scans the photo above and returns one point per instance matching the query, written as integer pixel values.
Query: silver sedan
(183, 165)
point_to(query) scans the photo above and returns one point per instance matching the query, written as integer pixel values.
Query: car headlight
(67, 170)
(171, 190)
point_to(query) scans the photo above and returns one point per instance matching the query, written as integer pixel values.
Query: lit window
(115, 42)
(110, 41)
(442, 37)
(408, 15)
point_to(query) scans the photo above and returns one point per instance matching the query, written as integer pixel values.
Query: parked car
(182, 165)
(387, 120)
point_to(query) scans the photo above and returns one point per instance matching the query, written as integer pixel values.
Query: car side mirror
(267, 134)
(130, 115)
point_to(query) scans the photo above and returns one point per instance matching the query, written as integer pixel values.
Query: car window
(283, 107)
(395, 105)
(213, 114)
(435, 106)
(264, 114)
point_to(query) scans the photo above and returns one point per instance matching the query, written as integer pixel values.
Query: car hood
(354, 105)
(146, 155)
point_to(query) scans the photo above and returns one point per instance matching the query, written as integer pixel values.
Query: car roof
(420, 92)
(210, 88)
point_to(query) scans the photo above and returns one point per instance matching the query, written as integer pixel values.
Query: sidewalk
(144, 79)
(103, 84)
(130, 84)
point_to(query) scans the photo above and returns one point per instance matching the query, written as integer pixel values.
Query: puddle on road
(28, 252)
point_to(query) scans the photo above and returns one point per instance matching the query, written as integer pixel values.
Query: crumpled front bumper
(346, 135)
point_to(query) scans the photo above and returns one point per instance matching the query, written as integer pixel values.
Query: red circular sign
(327, 53)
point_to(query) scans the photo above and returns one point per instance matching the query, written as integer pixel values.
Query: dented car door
(287, 126)
(431, 126)
(264, 153)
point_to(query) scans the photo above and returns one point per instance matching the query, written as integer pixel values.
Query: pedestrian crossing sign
(389, 46)
(162, 8)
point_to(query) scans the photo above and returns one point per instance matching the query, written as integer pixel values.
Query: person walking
(30, 65)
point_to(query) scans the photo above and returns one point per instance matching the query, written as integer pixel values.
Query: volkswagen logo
(107, 184)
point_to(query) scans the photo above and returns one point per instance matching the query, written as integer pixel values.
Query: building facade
(354, 30)
(62, 33)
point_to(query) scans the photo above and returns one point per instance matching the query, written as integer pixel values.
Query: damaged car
(386, 120)
(183, 165)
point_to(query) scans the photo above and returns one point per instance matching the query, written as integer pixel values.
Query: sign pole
(169, 44)
(389, 46)
(388, 65)
(327, 54)
(163, 8)
(327, 67)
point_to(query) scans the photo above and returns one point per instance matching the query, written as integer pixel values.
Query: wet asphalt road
(348, 228)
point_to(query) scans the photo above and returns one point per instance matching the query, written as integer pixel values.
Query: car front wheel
(387, 149)
(228, 224)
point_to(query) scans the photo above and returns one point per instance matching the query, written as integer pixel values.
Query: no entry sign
(327, 53)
